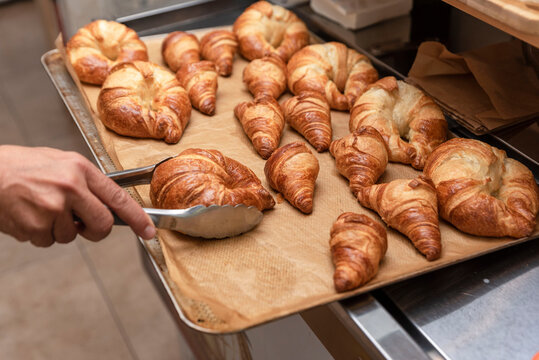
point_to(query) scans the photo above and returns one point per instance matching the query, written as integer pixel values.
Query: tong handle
(155, 216)
(138, 176)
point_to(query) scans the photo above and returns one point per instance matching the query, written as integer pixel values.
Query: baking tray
(76, 103)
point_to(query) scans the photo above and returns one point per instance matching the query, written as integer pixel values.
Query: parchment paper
(485, 89)
(282, 266)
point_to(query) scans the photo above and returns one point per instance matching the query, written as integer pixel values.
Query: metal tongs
(212, 222)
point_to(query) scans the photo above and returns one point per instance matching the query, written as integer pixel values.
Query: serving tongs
(212, 222)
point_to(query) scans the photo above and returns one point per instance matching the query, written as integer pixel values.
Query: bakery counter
(478, 309)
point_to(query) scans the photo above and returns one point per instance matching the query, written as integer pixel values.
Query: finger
(38, 228)
(121, 203)
(42, 238)
(96, 219)
(64, 229)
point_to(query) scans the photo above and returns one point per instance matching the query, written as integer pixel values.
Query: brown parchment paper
(282, 266)
(486, 89)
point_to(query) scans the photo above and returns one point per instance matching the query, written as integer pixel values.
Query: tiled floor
(82, 300)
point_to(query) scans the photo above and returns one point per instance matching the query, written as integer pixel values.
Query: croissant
(200, 81)
(361, 157)
(206, 177)
(399, 110)
(266, 75)
(410, 206)
(481, 191)
(220, 46)
(310, 115)
(99, 46)
(331, 69)
(263, 122)
(358, 244)
(264, 28)
(292, 170)
(180, 48)
(144, 100)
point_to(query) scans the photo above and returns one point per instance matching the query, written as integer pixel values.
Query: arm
(41, 189)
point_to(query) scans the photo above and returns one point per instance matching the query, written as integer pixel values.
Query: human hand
(42, 188)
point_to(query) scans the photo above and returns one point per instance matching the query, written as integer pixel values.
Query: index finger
(121, 203)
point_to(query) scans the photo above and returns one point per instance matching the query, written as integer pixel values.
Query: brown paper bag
(485, 89)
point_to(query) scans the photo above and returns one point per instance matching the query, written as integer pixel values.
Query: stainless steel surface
(378, 331)
(483, 309)
(138, 176)
(211, 222)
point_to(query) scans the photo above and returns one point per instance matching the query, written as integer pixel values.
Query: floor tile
(11, 132)
(141, 312)
(37, 107)
(20, 49)
(15, 254)
(52, 309)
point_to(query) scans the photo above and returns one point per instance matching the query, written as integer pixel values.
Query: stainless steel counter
(482, 309)
(485, 308)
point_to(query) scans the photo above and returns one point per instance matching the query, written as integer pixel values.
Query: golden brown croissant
(263, 122)
(310, 115)
(206, 177)
(99, 46)
(292, 170)
(264, 28)
(200, 81)
(266, 75)
(180, 48)
(361, 157)
(481, 191)
(331, 69)
(142, 99)
(358, 244)
(220, 46)
(399, 110)
(409, 206)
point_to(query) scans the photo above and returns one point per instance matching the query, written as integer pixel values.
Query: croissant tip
(305, 206)
(432, 254)
(321, 147)
(208, 107)
(224, 70)
(172, 137)
(341, 283)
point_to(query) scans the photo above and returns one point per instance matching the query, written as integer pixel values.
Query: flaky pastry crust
(264, 28)
(332, 69)
(220, 46)
(292, 170)
(206, 177)
(409, 206)
(97, 47)
(481, 191)
(361, 157)
(399, 110)
(144, 100)
(358, 244)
